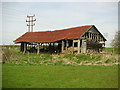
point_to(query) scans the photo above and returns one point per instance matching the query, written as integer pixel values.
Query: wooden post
(84, 46)
(85, 35)
(97, 37)
(22, 47)
(66, 45)
(28, 46)
(73, 47)
(62, 49)
(94, 37)
(53, 44)
(38, 48)
(89, 35)
(100, 38)
(78, 46)
(25, 47)
(50, 45)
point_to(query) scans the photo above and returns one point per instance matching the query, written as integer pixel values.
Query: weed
(108, 61)
(69, 56)
(13, 56)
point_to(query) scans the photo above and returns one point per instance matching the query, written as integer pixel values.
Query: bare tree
(116, 42)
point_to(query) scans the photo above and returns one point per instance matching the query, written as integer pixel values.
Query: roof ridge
(51, 36)
(65, 28)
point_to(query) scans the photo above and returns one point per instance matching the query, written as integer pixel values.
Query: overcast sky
(58, 15)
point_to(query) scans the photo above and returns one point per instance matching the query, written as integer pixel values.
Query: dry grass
(13, 56)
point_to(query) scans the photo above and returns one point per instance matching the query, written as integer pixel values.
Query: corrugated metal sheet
(52, 36)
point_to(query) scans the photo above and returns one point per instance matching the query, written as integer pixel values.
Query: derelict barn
(83, 39)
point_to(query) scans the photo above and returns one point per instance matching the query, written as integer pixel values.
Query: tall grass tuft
(69, 56)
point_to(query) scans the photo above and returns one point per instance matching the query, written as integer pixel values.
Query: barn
(82, 39)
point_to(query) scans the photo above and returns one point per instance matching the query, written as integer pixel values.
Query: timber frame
(91, 41)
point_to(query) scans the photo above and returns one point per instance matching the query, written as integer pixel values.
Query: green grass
(69, 56)
(59, 76)
(109, 49)
(113, 50)
(54, 73)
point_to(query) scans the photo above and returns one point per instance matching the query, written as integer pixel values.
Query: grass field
(59, 71)
(59, 76)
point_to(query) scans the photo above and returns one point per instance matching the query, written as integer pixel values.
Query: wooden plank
(75, 40)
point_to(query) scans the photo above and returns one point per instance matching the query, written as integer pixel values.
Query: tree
(116, 42)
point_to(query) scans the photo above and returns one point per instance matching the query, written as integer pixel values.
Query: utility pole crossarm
(31, 20)
(30, 23)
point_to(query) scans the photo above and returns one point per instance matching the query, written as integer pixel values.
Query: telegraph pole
(30, 23)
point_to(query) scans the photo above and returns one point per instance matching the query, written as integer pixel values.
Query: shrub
(7, 55)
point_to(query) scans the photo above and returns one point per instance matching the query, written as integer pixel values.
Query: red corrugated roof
(52, 36)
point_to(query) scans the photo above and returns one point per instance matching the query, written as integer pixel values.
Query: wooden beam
(100, 38)
(49, 44)
(28, 46)
(38, 48)
(73, 47)
(25, 47)
(66, 48)
(83, 47)
(97, 37)
(62, 49)
(22, 47)
(53, 44)
(75, 40)
(92, 36)
(78, 46)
